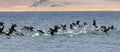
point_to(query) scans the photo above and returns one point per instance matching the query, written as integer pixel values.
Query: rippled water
(60, 43)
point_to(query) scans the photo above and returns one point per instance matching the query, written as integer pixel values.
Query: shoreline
(59, 11)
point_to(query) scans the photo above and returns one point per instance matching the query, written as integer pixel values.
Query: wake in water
(73, 29)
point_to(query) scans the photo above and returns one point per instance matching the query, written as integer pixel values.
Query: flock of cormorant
(55, 29)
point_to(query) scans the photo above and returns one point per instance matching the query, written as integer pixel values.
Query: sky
(59, 5)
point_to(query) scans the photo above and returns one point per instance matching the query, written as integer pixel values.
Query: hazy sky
(6, 4)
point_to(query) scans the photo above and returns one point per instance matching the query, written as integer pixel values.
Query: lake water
(60, 43)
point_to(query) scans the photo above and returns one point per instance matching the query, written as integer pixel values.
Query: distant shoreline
(59, 11)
